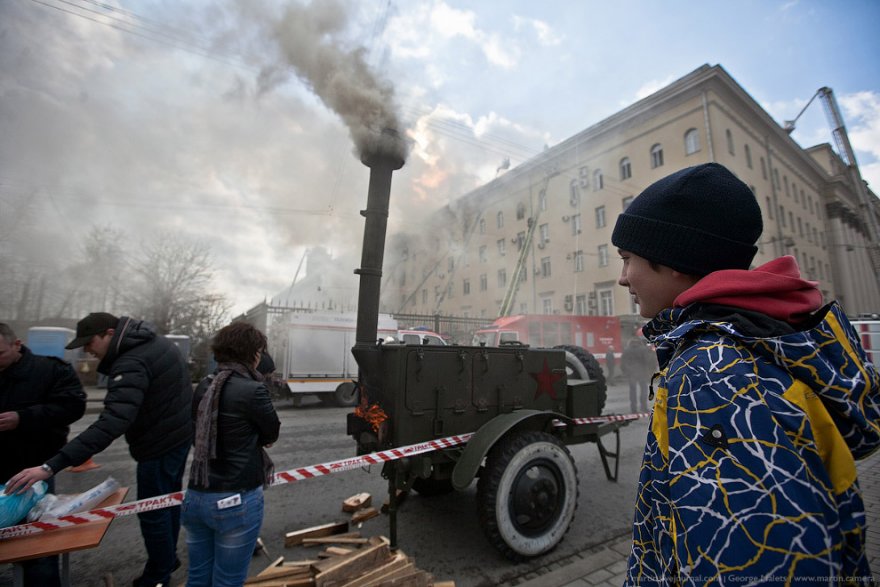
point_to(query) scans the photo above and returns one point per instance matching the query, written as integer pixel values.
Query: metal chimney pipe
(382, 164)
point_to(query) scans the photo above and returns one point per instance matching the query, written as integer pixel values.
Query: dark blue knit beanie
(697, 220)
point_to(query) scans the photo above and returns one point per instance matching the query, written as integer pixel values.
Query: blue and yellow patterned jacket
(749, 475)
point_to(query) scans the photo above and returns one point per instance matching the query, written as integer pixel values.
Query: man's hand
(8, 421)
(23, 480)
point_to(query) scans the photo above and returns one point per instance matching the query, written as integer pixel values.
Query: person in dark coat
(39, 398)
(149, 399)
(234, 420)
(637, 363)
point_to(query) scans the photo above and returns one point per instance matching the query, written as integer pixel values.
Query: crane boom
(846, 153)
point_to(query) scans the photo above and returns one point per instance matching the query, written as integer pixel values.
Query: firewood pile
(347, 559)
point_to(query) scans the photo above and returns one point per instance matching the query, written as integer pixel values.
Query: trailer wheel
(583, 362)
(527, 494)
(346, 395)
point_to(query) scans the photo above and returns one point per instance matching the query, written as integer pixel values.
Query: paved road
(440, 533)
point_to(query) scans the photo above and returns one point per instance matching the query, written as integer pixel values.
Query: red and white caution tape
(173, 499)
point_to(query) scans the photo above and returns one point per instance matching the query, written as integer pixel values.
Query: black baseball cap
(94, 323)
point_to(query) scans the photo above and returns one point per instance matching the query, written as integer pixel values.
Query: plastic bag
(15, 507)
(85, 501)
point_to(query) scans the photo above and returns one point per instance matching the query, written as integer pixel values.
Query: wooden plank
(444, 583)
(343, 568)
(302, 563)
(405, 569)
(364, 515)
(286, 582)
(333, 540)
(356, 502)
(276, 563)
(296, 537)
(397, 561)
(338, 550)
(277, 573)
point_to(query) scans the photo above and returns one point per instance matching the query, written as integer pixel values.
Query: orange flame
(372, 414)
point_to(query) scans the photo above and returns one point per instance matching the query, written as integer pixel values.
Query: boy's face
(653, 287)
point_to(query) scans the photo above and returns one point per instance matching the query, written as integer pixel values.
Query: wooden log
(356, 502)
(297, 536)
(364, 515)
(342, 568)
(286, 582)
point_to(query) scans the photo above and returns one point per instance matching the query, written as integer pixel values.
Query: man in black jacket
(39, 398)
(149, 399)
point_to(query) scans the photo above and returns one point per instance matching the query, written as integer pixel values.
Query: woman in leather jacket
(234, 420)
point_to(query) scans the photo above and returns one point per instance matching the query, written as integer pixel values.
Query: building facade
(537, 239)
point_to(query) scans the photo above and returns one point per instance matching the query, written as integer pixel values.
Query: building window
(776, 178)
(543, 233)
(484, 282)
(502, 278)
(691, 141)
(482, 226)
(499, 220)
(729, 136)
(580, 305)
(626, 202)
(466, 287)
(597, 180)
(576, 224)
(785, 183)
(794, 191)
(782, 215)
(600, 217)
(625, 169)
(748, 156)
(578, 261)
(548, 305)
(520, 239)
(574, 197)
(603, 255)
(606, 302)
(584, 175)
(542, 200)
(520, 211)
(483, 256)
(656, 156)
(769, 207)
(763, 169)
(501, 246)
(545, 266)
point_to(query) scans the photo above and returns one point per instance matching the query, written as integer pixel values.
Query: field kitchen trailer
(519, 401)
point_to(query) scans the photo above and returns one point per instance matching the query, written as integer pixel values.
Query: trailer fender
(489, 433)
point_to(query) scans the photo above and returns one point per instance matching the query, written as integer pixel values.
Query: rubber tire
(512, 459)
(589, 364)
(346, 395)
(431, 487)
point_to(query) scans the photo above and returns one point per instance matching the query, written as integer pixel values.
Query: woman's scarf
(206, 421)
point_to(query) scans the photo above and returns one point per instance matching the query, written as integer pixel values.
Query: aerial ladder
(845, 150)
(525, 248)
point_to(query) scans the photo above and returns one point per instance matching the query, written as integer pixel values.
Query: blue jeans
(160, 528)
(221, 541)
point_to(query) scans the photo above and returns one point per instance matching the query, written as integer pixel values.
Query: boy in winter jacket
(765, 398)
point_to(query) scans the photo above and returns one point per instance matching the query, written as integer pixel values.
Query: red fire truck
(593, 333)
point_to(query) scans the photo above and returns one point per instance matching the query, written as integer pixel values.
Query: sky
(238, 123)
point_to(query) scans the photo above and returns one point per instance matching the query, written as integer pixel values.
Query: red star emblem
(545, 379)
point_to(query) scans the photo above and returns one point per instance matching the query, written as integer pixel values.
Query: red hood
(775, 289)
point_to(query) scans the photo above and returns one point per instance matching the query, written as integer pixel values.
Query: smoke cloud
(309, 38)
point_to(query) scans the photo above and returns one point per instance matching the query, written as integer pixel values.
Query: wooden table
(61, 541)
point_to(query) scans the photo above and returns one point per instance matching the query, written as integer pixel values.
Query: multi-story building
(464, 259)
